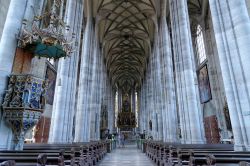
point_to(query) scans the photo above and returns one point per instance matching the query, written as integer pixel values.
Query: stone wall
(38, 68)
(4, 5)
(213, 107)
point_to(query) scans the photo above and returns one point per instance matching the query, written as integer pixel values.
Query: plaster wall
(216, 104)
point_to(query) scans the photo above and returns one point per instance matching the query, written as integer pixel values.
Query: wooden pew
(58, 154)
(196, 154)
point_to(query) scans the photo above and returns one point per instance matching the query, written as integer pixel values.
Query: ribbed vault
(126, 33)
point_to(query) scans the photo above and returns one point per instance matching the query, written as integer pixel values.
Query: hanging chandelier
(52, 42)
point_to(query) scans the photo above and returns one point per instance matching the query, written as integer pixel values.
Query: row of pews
(164, 154)
(79, 154)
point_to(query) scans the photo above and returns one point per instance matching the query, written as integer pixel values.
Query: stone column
(138, 110)
(192, 129)
(143, 106)
(16, 12)
(150, 100)
(82, 113)
(65, 92)
(133, 100)
(98, 85)
(8, 43)
(232, 33)
(157, 89)
(119, 100)
(142, 109)
(169, 114)
(111, 110)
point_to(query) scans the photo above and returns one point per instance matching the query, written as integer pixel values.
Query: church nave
(78, 76)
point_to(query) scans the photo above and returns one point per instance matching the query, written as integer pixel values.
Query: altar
(126, 120)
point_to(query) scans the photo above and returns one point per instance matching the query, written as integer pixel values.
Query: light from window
(116, 108)
(136, 108)
(200, 47)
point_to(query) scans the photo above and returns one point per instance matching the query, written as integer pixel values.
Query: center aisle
(128, 156)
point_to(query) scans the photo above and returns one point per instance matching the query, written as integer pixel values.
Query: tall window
(200, 47)
(136, 108)
(116, 108)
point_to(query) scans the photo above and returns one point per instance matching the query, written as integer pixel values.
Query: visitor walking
(123, 140)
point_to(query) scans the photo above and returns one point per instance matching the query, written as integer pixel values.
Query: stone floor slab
(128, 156)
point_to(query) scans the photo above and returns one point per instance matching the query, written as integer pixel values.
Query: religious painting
(204, 85)
(227, 117)
(51, 78)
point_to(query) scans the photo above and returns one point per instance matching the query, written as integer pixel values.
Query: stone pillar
(138, 110)
(169, 114)
(191, 127)
(119, 100)
(82, 113)
(8, 46)
(65, 92)
(95, 101)
(157, 89)
(150, 100)
(232, 33)
(4, 7)
(111, 111)
(143, 114)
(8, 43)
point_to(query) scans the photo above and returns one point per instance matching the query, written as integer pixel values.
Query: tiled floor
(128, 156)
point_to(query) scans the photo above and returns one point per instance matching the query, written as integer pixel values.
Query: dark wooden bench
(195, 154)
(58, 154)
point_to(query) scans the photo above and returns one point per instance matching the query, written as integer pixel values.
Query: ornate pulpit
(23, 105)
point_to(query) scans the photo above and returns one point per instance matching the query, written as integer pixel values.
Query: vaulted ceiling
(126, 34)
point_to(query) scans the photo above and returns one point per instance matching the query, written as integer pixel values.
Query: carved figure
(211, 160)
(17, 100)
(26, 92)
(9, 91)
(72, 157)
(61, 158)
(41, 160)
(43, 95)
(8, 163)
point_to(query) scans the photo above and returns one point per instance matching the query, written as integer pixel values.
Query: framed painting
(51, 77)
(204, 84)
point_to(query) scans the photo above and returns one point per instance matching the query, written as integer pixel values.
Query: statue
(41, 160)
(126, 106)
(43, 94)
(26, 93)
(61, 158)
(72, 157)
(9, 91)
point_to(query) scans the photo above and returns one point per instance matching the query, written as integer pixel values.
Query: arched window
(116, 108)
(136, 108)
(199, 44)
